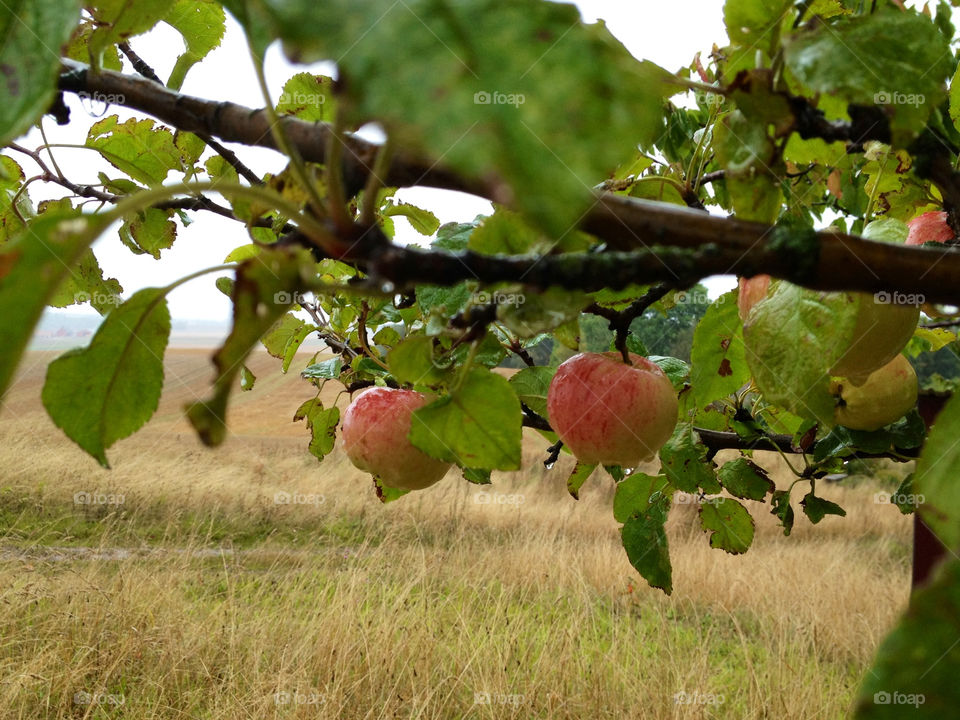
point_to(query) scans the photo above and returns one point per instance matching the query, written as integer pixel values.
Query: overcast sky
(668, 33)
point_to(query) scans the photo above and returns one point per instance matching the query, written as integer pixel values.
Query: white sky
(668, 33)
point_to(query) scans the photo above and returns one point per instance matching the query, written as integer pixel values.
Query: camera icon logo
(481, 97)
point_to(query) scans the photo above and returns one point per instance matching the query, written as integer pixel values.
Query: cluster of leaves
(552, 108)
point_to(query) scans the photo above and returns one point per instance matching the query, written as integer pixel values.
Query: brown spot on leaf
(725, 369)
(724, 344)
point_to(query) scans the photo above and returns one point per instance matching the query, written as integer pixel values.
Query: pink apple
(752, 290)
(929, 227)
(611, 413)
(374, 431)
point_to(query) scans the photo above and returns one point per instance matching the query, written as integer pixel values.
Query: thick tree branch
(825, 260)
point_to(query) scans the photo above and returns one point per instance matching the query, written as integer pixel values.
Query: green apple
(886, 396)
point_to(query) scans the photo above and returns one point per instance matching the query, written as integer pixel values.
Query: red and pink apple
(374, 432)
(611, 413)
(752, 290)
(929, 227)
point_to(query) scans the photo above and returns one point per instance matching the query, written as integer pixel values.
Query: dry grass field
(199, 596)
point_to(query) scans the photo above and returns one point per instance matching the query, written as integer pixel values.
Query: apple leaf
(645, 541)
(745, 479)
(149, 232)
(423, 221)
(262, 293)
(33, 32)
(32, 268)
(936, 479)
(532, 385)
(477, 477)
(412, 362)
(683, 461)
(478, 425)
(783, 510)
(325, 370)
(108, 390)
(729, 523)
(718, 365)
(387, 494)
(202, 23)
(677, 370)
(816, 508)
(145, 152)
(636, 492)
(496, 66)
(793, 338)
(754, 22)
(581, 473)
(322, 423)
(247, 379)
(861, 60)
(914, 673)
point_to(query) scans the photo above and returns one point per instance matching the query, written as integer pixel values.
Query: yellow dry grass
(201, 597)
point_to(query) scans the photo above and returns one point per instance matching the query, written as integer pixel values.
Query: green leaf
(288, 330)
(11, 181)
(729, 523)
(326, 370)
(32, 267)
(914, 674)
(454, 236)
(146, 154)
(262, 293)
(816, 508)
(645, 541)
(677, 370)
(118, 20)
(387, 494)
(108, 390)
(478, 425)
(783, 510)
(936, 479)
(33, 33)
(247, 379)
(413, 362)
(861, 59)
(477, 477)
(149, 232)
(581, 473)
(504, 233)
(754, 23)
(322, 423)
(718, 365)
(308, 97)
(745, 479)
(423, 221)
(529, 314)
(202, 24)
(532, 385)
(635, 493)
(494, 66)
(683, 461)
(793, 339)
